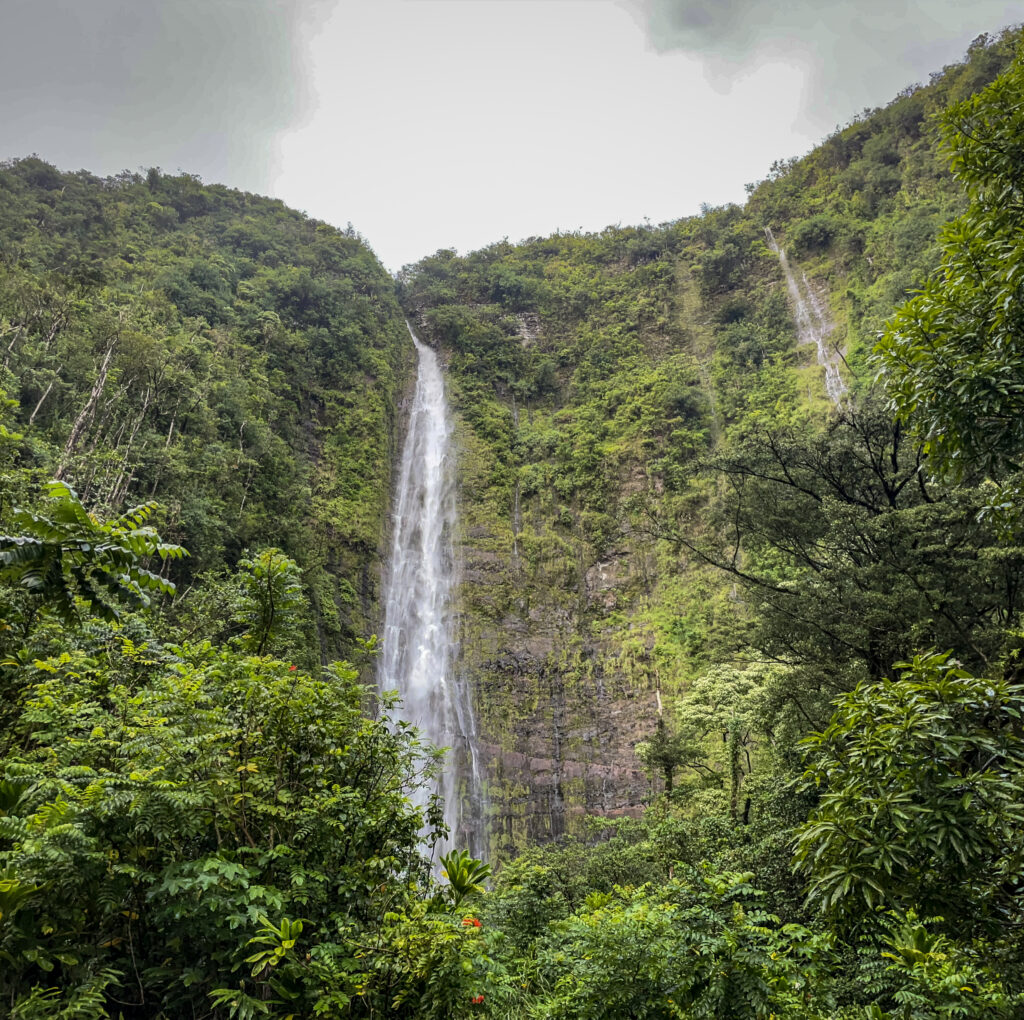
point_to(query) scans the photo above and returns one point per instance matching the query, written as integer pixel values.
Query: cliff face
(557, 707)
(569, 421)
(593, 378)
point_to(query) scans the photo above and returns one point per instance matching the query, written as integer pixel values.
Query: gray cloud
(855, 54)
(200, 85)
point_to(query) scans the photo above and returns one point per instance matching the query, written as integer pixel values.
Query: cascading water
(813, 324)
(417, 656)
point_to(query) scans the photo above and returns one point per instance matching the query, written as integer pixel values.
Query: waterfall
(417, 657)
(813, 323)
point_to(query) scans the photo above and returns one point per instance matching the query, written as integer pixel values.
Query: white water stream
(417, 657)
(813, 323)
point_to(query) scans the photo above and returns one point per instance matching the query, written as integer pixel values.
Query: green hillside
(740, 592)
(214, 351)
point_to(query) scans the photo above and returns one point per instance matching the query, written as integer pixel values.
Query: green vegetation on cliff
(211, 350)
(630, 404)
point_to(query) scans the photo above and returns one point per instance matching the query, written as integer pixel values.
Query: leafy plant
(950, 357)
(465, 875)
(695, 947)
(271, 600)
(67, 553)
(939, 979)
(920, 789)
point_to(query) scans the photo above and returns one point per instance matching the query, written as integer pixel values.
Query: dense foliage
(952, 355)
(922, 778)
(210, 350)
(813, 623)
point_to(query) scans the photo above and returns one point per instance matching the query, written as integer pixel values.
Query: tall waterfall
(417, 657)
(813, 323)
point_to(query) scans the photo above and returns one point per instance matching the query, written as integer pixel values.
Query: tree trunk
(85, 416)
(46, 393)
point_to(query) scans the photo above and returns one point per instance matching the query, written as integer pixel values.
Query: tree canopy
(953, 356)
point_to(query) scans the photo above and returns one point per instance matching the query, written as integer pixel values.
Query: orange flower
(477, 999)
(468, 922)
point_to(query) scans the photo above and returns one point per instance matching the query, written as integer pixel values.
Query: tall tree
(849, 559)
(953, 355)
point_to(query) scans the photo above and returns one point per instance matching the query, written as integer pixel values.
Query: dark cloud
(855, 54)
(199, 85)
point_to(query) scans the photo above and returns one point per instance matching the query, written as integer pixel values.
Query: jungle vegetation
(205, 807)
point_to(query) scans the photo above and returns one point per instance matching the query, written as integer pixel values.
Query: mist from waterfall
(418, 656)
(813, 323)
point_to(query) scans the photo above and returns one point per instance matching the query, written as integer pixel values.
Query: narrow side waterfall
(417, 658)
(813, 323)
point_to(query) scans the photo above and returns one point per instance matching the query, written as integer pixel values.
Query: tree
(271, 600)
(849, 559)
(666, 752)
(163, 809)
(921, 792)
(953, 356)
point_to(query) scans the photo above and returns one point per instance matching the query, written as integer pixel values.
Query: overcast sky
(453, 123)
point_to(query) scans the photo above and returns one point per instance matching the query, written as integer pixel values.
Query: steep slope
(591, 375)
(212, 350)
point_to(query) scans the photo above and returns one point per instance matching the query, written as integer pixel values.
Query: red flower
(292, 669)
(477, 999)
(468, 922)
